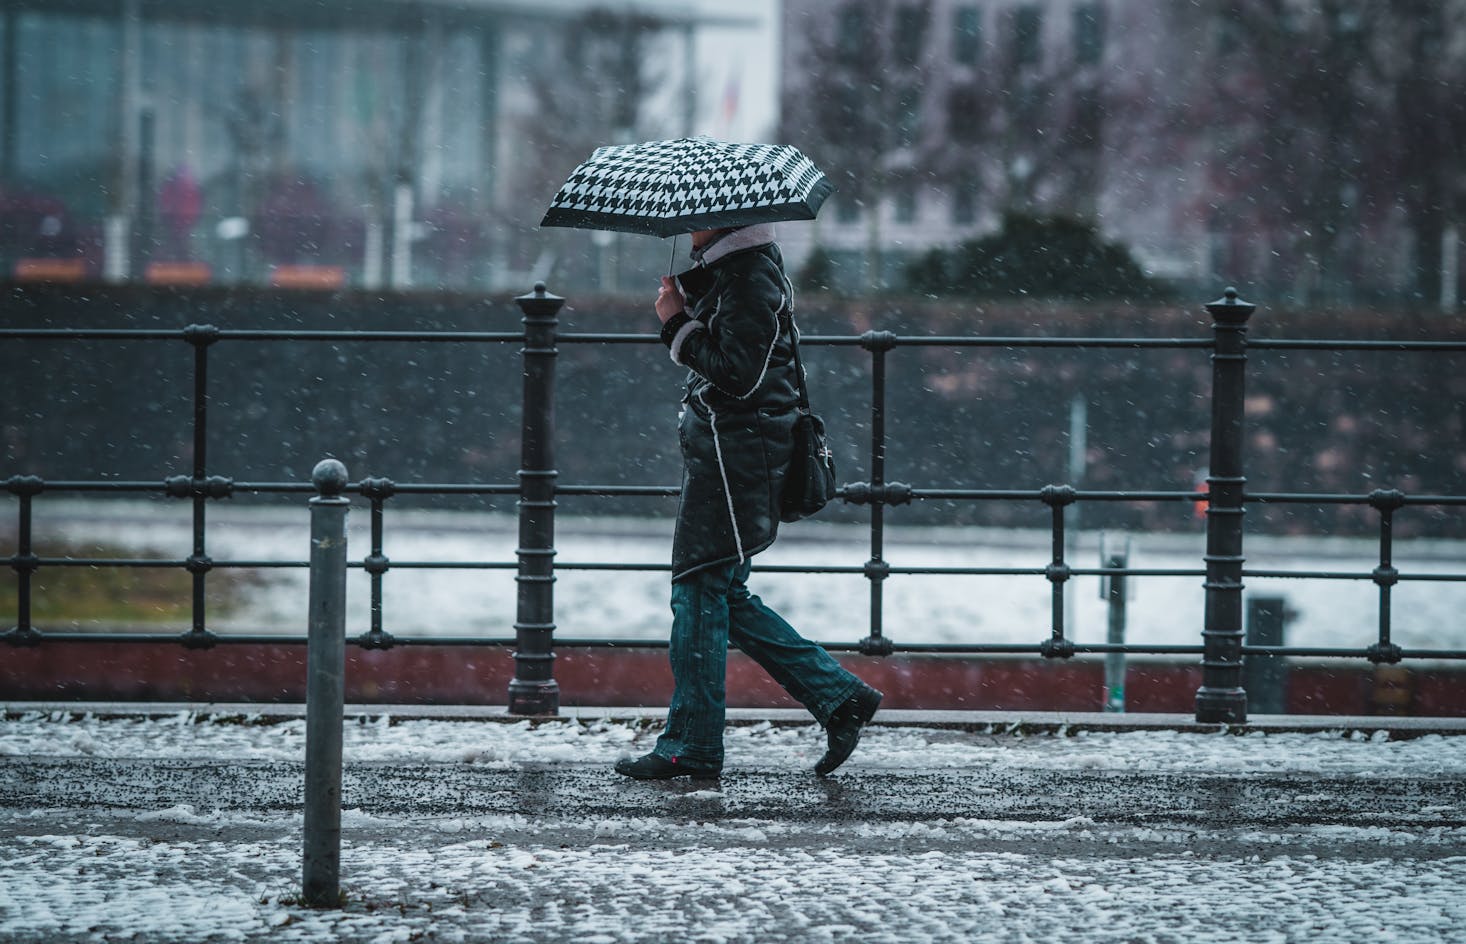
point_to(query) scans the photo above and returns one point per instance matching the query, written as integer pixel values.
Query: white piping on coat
(723, 472)
(784, 299)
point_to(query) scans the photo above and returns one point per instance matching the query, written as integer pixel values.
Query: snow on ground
(918, 608)
(179, 873)
(477, 888)
(381, 738)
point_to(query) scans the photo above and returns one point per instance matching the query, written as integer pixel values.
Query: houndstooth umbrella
(663, 188)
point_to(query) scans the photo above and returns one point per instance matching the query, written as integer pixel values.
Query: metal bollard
(325, 687)
(533, 690)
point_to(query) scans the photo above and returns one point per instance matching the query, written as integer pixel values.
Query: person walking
(728, 320)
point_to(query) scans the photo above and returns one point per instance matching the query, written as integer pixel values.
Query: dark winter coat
(738, 413)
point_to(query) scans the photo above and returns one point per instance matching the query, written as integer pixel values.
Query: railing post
(1058, 572)
(25, 562)
(1114, 590)
(878, 494)
(1221, 698)
(1386, 501)
(533, 691)
(325, 687)
(377, 491)
(200, 488)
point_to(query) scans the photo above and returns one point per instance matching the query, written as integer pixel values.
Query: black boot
(842, 731)
(657, 767)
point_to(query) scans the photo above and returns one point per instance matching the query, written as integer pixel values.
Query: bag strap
(786, 315)
(798, 365)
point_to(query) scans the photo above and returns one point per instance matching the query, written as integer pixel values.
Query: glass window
(964, 113)
(1027, 31)
(1227, 36)
(1089, 33)
(964, 203)
(851, 35)
(910, 30)
(908, 117)
(966, 35)
(59, 140)
(905, 204)
(1088, 122)
(849, 106)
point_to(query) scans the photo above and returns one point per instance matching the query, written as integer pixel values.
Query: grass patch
(69, 595)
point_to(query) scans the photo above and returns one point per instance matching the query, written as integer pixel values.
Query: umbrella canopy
(663, 188)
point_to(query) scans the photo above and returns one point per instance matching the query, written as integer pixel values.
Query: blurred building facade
(1284, 145)
(1306, 151)
(358, 143)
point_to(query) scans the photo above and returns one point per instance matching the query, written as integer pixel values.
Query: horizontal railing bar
(1347, 575)
(288, 334)
(250, 334)
(919, 340)
(92, 334)
(403, 488)
(154, 638)
(1322, 498)
(451, 488)
(398, 488)
(668, 491)
(104, 485)
(429, 337)
(1321, 344)
(1139, 649)
(1034, 494)
(1305, 498)
(109, 562)
(570, 642)
(292, 488)
(916, 570)
(831, 646)
(1333, 653)
(629, 491)
(258, 334)
(602, 337)
(998, 494)
(991, 648)
(648, 567)
(450, 565)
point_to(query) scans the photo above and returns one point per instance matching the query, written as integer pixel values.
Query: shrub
(1037, 257)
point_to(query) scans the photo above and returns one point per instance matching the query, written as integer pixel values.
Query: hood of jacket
(737, 347)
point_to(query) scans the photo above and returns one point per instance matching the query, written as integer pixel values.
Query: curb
(986, 722)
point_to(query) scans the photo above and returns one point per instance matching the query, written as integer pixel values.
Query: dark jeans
(711, 609)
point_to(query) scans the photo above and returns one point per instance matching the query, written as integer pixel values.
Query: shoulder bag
(809, 483)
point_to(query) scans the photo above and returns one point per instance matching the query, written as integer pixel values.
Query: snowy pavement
(187, 828)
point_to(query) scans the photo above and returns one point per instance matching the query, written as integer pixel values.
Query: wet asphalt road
(593, 792)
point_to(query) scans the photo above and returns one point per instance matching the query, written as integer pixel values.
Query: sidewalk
(181, 823)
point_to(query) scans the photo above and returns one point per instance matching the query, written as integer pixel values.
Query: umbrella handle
(672, 260)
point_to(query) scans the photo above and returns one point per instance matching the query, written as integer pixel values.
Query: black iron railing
(1221, 697)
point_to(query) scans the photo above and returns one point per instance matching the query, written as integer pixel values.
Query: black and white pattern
(663, 188)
